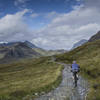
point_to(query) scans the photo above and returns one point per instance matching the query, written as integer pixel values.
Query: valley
(32, 74)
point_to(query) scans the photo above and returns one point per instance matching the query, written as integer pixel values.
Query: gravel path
(66, 90)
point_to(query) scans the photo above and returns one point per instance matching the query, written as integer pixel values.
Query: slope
(79, 43)
(28, 77)
(95, 37)
(88, 56)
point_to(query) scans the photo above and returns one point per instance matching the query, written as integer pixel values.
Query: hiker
(75, 68)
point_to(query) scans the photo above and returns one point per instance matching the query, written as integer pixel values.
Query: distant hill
(53, 52)
(95, 37)
(49, 52)
(81, 42)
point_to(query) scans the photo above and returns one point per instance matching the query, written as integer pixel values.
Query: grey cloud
(68, 28)
(34, 15)
(59, 38)
(13, 27)
(92, 3)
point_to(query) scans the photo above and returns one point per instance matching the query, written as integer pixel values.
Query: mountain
(16, 50)
(95, 37)
(7, 43)
(21, 50)
(31, 45)
(44, 52)
(81, 42)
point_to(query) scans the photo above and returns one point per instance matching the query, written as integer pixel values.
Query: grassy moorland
(88, 56)
(27, 77)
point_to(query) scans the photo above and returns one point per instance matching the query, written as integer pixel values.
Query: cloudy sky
(50, 24)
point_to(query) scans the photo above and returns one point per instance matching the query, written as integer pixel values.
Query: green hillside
(88, 56)
(27, 77)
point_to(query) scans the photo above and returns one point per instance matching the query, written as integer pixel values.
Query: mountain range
(18, 50)
(26, 49)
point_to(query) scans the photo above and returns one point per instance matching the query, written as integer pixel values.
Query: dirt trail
(66, 90)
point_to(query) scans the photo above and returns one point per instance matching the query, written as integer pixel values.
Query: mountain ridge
(79, 43)
(95, 37)
(18, 50)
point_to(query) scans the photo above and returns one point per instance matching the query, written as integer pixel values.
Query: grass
(25, 78)
(88, 57)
